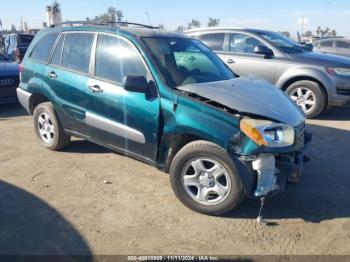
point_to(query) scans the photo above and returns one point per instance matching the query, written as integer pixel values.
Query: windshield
(184, 61)
(284, 43)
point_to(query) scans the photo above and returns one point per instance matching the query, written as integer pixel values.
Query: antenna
(148, 18)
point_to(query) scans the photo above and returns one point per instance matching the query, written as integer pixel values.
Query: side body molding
(114, 128)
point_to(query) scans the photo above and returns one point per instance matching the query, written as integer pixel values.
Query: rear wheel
(48, 128)
(205, 179)
(309, 96)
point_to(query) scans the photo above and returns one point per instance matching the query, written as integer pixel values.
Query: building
(53, 14)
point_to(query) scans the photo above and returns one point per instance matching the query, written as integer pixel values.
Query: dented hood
(251, 95)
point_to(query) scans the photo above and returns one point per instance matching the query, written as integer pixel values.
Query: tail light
(18, 54)
(20, 70)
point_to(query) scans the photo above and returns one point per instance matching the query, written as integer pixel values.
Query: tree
(213, 22)
(327, 32)
(318, 31)
(111, 16)
(285, 33)
(308, 34)
(193, 24)
(180, 29)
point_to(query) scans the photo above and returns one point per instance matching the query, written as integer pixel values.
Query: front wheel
(309, 96)
(205, 179)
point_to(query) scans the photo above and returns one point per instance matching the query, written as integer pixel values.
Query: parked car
(9, 77)
(313, 80)
(169, 101)
(336, 46)
(17, 45)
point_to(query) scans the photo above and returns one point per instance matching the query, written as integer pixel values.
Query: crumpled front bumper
(289, 167)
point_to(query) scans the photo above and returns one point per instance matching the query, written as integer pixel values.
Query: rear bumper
(24, 99)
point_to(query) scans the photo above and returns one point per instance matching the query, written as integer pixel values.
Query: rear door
(124, 120)
(326, 46)
(342, 48)
(67, 76)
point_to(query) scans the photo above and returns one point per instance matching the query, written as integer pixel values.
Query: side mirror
(136, 84)
(308, 47)
(263, 50)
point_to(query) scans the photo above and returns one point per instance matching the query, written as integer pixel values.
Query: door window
(42, 50)
(214, 41)
(343, 44)
(327, 44)
(57, 55)
(243, 44)
(116, 58)
(77, 52)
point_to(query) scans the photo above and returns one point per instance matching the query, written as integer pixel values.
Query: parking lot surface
(59, 203)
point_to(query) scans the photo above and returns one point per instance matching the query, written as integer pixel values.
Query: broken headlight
(267, 133)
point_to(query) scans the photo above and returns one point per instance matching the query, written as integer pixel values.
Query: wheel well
(35, 100)
(177, 143)
(301, 78)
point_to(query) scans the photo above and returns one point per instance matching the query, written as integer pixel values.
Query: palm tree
(194, 24)
(213, 22)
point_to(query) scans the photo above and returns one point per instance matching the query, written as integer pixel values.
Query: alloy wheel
(206, 181)
(305, 98)
(46, 128)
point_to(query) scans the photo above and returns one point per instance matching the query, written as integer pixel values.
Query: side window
(327, 44)
(77, 51)
(213, 41)
(42, 50)
(343, 44)
(243, 44)
(116, 58)
(57, 55)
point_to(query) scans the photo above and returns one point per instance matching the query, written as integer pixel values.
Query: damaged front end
(267, 167)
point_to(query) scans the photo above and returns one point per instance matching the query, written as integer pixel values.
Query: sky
(277, 15)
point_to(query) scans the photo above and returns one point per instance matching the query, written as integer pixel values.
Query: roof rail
(118, 24)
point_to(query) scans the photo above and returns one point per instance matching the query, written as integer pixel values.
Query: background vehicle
(169, 101)
(17, 45)
(336, 46)
(313, 80)
(9, 77)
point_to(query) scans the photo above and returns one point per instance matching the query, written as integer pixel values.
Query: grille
(9, 82)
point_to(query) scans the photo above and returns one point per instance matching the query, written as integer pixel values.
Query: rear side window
(343, 44)
(77, 52)
(56, 58)
(116, 58)
(327, 44)
(42, 50)
(213, 41)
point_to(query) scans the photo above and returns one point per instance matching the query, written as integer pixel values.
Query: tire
(48, 127)
(214, 204)
(316, 96)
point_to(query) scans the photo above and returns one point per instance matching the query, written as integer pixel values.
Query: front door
(124, 120)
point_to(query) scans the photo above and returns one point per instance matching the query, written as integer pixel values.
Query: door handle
(230, 61)
(96, 89)
(52, 75)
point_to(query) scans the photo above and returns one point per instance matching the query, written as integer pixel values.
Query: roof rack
(117, 24)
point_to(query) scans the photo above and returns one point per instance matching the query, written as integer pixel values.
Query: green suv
(167, 100)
